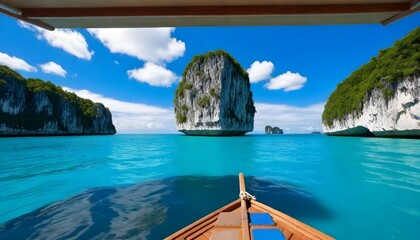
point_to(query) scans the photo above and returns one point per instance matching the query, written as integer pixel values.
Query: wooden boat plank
(280, 225)
(226, 234)
(296, 236)
(305, 238)
(228, 220)
(200, 223)
(208, 234)
(202, 237)
(287, 234)
(200, 232)
(244, 209)
(197, 228)
(203, 228)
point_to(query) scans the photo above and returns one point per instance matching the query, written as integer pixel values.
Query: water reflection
(152, 210)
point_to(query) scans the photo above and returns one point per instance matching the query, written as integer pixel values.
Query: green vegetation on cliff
(204, 101)
(183, 86)
(181, 118)
(86, 106)
(31, 120)
(203, 57)
(382, 72)
(6, 72)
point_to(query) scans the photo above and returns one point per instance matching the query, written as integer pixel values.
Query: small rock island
(382, 98)
(214, 97)
(273, 130)
(32, 107)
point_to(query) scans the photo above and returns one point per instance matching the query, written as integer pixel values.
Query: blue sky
(135, 72)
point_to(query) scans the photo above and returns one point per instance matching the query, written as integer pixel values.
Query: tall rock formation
(382, 98)
(214, 97)
(35, 107)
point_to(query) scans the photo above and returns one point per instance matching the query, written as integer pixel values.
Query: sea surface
(149, 186)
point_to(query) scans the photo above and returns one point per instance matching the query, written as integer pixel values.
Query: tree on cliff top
(86, 106)
(390, 66)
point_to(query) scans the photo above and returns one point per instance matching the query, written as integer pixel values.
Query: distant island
(382, 98)
(273, 130)
(214, 97)
(316, 132)
(31, 107)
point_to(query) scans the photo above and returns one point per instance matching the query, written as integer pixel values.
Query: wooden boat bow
(247, 219)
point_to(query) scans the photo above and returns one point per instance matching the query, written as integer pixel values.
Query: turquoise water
(147, 186)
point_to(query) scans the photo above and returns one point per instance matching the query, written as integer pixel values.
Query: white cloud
(53, 68)
(147, 44)
(260, 71)
(69, 40)
(131, 117)
(15, 63)
(288, 81)
(154, 75)
(289, 118)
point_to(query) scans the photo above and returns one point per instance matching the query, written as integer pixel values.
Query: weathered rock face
(382, 97)
(34, 107)
(398, 116)
(273, 130)
(214, 97)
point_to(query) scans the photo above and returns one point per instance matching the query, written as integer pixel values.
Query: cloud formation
(70, 41)
(131, 117)
(291, 119)
(288, 81)
(153, 75)
(260, 71)
(147, 44)
(155, 46)
(53, 68)
(16, 63)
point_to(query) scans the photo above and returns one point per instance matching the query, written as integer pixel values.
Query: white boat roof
(52, 14)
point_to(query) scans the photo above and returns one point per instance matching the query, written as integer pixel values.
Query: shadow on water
(154, 209)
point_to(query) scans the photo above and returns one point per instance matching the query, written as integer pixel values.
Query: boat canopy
(173, 13)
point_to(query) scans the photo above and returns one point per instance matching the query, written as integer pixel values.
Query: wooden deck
(231, 222)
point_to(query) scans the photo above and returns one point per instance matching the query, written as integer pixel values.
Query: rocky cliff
(35, 107)
(382, 98)
(273, 130)
(214, 97)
